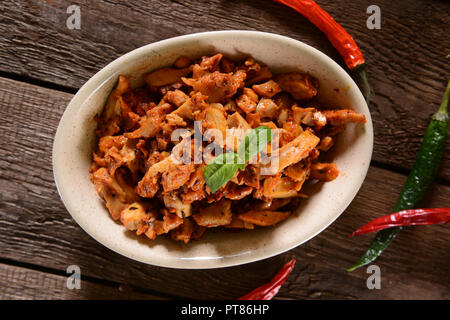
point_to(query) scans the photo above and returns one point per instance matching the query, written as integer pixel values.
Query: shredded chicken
(296, 150)
(247, 100)
(263, 218)
(138, 169)
(324, 171)
(217, 86)
(217, 214)
(343, 116)
(267, 108)
(165, 76)
(301, 86)
(267, 89)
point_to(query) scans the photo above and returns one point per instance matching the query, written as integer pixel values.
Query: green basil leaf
(253, 143)
(220, 170)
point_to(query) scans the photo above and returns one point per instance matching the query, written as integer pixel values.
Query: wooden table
(43, 63)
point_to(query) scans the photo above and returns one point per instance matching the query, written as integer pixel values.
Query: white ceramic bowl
(75, 140)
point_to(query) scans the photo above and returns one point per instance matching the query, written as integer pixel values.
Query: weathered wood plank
(18, 283)
(35, 228)
(407, 57)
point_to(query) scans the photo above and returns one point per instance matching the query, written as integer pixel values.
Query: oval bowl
(75, 141)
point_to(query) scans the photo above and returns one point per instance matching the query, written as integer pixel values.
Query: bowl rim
(96, 81)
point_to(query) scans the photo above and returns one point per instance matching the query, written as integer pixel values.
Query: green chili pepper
(421, 176)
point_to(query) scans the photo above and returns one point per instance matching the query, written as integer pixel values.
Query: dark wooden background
(43, 63)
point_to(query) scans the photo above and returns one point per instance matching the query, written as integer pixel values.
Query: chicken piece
(158, 227)
(325, 143)
(183, 232)
(214, 118)
(235, 192)
(280, 187)
(195, 187)
(227, 66)
(309, 116)
(218, 106)
(149, 184)
(343, 116)
(266, 108)
(175, 120)
(136, 218)
(217, 86)
(97, 163)
(150, 124)
(237, 121)
(331, 131)
(250, 175)
(182, 62)
(238, 128)
(130, 121)
(170, 222)
(107, 142)
(165, 76)
(324, 171)
(239, 224)
(247, 101)
(250, 65)
(217, 214)
(154, 158)
(118, 151)
(283, 116)
(176, 97)
(255, 71)
(148, 127)
(253, 119)
(175, 205)
(109, 121)
(291, 130)
(298, 172)
(123, 180)
(192, 106)
(300, 86)
(176, 176)
(269, 124)
(207, 66)
(167, 88)
(190, 196)
(111, 192)
(314, 154)
(197, 180)
(263, 74)
(230, 106)
(293, 152)
(283, 100)
(272, 204)
(267, 89)
(263, 218)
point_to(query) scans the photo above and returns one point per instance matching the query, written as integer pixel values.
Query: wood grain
(20, 283)
(407, 62)
(36, 229)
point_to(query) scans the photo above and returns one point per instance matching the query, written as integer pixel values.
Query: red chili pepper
(411, 217)
(270, 289)
(337, 35)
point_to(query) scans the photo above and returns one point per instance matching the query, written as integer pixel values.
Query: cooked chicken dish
(136, 166)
